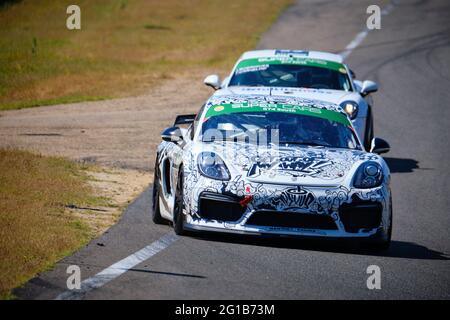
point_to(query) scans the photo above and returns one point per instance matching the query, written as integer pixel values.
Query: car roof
(294, 53)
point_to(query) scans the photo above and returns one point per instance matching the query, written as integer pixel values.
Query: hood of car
(290, 164)
(332, 96)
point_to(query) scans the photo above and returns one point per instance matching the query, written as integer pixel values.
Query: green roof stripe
(228, 108)
(255, 62)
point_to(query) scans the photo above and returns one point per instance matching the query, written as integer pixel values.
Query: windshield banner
(228, 108)
(257, 64)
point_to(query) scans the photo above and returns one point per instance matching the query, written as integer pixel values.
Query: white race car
(272, 165)
(306, 74)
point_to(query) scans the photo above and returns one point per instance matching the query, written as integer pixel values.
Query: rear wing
(184, 119)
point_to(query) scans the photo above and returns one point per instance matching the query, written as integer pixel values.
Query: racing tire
(383, 242)
(156, 213)
(178, 216)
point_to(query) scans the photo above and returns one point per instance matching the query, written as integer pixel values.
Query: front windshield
(279, 127)
(297, 73)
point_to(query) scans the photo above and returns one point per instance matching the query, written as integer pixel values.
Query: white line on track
(119, 268)
(362, 35)
(149, 251)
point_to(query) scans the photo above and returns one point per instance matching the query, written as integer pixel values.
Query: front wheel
(178, 216)
(379, 245)
(384, 241)
(156, 213)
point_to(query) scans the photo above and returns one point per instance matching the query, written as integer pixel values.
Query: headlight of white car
(351, 108)
(212, 166)
(368, 175)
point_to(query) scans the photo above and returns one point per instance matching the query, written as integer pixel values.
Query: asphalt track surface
(410, 58)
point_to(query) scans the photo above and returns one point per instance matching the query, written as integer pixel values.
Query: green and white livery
(272, 165)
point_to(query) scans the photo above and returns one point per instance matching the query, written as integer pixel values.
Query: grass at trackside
(123, 47)
(35, 229)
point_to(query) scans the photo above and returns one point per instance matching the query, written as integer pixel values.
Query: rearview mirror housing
(368, 87)
(172, 134)
(379, 146)
(213, 81)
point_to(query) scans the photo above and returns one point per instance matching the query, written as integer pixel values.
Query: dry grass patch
(123, 46)
(49, 207)
(120, 186)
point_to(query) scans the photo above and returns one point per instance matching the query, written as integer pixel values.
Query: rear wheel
(178, 216)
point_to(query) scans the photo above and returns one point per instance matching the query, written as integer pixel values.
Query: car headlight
(368, 175)
(351, 108)
(212, 166)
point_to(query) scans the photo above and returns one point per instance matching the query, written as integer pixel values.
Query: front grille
(292, 220)
(360, 215)
(220, 207)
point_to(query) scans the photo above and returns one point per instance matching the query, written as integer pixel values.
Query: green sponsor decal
(228, 108)
(262, 63)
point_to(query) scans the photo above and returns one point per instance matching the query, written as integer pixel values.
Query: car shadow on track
(402, 165)
(398, 249)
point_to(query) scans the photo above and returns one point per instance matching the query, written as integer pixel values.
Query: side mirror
(358, 85)
(368, 87)
(213, 81)
(379, 146)
(172, 134)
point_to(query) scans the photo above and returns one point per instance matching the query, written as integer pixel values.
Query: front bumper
(329, 213)
(290, 232)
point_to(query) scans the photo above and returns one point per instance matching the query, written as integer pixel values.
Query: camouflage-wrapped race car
(272, 165)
